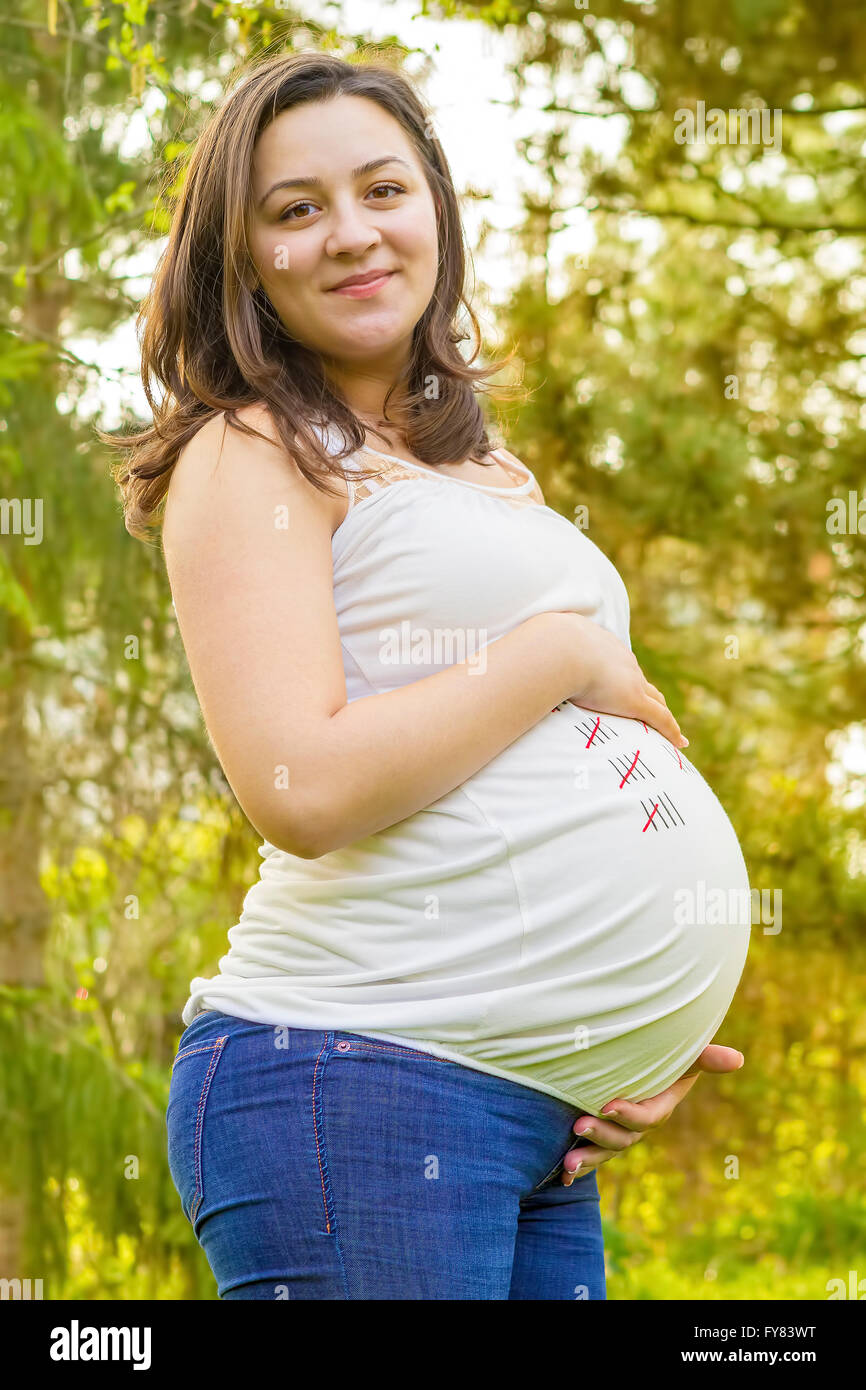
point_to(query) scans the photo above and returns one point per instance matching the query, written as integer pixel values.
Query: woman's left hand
(630, 1119)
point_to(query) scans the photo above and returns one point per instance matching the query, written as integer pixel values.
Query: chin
(372, 338)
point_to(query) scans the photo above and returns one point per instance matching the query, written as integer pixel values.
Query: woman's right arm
(247, 544)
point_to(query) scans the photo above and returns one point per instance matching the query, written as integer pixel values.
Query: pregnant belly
(575, 916)
(634, 904)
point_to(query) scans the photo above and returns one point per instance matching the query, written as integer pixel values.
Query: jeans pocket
(558, 1167)
(192, 1075)
(548, 1177)
(353, 1042)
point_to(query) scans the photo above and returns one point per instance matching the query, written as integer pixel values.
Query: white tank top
(575, 916)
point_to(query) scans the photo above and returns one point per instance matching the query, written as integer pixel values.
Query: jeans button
(344, 1047)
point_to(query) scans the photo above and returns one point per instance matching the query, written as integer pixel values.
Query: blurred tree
(698, 390)
(101, 743)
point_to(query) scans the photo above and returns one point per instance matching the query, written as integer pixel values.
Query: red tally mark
(624, 769)
(631, 768)
(675, 753)
(597, 732)
(668, 813)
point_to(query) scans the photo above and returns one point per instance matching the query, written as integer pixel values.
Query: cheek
(283, 259)
(417, 242)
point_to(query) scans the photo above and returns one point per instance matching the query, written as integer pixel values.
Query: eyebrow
(310, 180)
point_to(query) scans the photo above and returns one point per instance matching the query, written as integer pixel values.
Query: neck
(364, 390)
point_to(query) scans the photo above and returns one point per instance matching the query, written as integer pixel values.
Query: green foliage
(85, 1137)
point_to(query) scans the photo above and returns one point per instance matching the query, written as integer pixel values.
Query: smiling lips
(362, 286)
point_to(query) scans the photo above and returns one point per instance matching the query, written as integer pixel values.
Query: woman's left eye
(395, 186)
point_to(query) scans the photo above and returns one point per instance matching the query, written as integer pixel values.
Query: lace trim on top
(394, 470)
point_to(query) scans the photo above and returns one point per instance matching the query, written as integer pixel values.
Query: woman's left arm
(628, 1120)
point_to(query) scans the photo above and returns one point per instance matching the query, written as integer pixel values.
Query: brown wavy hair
(215, 342)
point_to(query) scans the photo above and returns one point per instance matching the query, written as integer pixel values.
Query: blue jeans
(329, 1165)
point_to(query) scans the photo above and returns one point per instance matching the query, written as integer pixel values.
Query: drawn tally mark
(637, 768)
(675, 753)
(596, 731)
(664, 804)
(661, 812)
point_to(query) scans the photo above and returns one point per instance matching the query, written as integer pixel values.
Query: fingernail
(589, 1130)
(612, 1114)
(684, 743)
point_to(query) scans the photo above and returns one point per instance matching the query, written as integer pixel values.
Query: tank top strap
(368, 471)
(517, 470)
(380, 473)
(351, 464)
(509, 463)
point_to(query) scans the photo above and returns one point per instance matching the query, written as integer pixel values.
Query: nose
(350, 231)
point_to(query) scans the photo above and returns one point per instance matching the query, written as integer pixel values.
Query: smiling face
(339, 191)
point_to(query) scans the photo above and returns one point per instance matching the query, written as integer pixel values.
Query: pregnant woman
(481, 837)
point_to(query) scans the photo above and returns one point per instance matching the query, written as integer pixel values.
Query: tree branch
(764, 224)
(15, 331)
(624, 110)
(53, 257)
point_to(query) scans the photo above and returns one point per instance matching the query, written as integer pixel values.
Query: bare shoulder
(217, 443)
(221, 457)
(256, 416)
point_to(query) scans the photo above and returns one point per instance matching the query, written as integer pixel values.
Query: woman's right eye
(284, 216)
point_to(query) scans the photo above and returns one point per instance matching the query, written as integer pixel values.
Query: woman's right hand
(611, 681)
